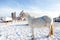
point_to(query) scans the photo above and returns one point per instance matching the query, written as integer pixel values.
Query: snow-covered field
(20, 31)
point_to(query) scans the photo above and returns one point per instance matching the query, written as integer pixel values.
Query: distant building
(1, 18)
(57, 19)
(6, 19)
(13, 15)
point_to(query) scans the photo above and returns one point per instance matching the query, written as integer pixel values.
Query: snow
(20, 31)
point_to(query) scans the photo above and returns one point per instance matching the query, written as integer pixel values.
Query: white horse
(43, 21)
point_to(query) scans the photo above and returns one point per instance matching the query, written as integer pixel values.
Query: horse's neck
(29, 17)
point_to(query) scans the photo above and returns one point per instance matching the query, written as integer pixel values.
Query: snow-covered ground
(20, 31)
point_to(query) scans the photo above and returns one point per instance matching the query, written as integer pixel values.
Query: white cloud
(35, 11)
(7, 11)
(52, 11)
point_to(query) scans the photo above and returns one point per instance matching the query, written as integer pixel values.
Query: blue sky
(37, 7)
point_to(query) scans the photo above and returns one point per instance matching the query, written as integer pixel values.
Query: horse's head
(25, 15)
